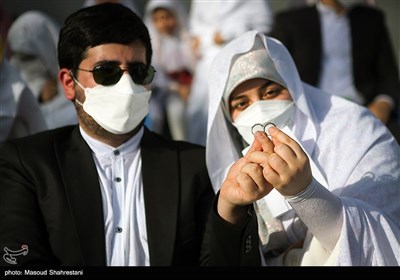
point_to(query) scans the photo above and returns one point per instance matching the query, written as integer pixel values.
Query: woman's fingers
(278, 136)
(264, 141)
(251, 179)
(286, 167)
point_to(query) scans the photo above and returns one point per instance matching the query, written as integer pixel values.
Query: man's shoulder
(153, 138)
(51, 133)
(367, 11)
(43, 138)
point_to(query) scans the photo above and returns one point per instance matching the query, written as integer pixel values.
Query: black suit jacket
(50, 200)
(231, 245)
(374, 63)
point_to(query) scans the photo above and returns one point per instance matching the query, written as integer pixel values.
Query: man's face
(116, 54)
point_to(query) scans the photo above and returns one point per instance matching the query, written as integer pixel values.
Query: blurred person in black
(344, 48)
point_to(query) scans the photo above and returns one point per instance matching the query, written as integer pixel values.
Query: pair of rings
(261, 127)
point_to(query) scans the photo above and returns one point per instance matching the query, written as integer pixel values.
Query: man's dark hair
(97, 25)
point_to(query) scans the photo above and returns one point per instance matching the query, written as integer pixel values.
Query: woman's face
(254, 90)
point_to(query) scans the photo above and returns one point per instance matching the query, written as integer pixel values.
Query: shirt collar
(101, 148)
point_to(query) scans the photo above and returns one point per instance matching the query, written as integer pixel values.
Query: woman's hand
(286, 167)
(243, 185)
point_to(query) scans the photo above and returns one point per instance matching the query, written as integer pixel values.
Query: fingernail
(258, 134)
(272, 129)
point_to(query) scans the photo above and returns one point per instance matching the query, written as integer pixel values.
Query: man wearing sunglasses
(107, 192)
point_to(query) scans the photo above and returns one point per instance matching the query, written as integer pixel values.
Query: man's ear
(67, 83)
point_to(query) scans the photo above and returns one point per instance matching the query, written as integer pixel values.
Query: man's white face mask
(117, 108)
(259, 114)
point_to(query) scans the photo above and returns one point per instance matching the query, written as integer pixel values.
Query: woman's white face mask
(117, 108)
(33, 71)
(259, 114)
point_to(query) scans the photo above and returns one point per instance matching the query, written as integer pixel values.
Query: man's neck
(335, 5)
(113, 140)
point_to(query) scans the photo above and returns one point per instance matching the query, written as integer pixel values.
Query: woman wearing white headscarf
(20, 114)
(32, 39)
(336, 186)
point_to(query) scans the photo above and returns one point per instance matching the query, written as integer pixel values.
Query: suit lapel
(84, 196)
(161, 193)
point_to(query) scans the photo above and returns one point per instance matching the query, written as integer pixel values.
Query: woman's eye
(239, 105)
(271, 92)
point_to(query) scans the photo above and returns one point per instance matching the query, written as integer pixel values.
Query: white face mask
(260, 113)
(118, 108)
(32, 71)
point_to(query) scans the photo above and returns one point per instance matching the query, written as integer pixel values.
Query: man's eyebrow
(105, 61)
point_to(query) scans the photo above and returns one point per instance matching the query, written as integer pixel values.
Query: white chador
(352, 154)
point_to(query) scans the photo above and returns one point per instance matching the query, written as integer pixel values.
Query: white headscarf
(37, 34)
(355, 153)
(176, 7)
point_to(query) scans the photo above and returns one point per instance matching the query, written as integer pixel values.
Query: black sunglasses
(109, 74)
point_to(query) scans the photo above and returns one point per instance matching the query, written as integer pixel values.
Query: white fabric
(317, 201)
(121, 185)
(355, 153)
(20, 114)
(244, 69)
(33, 72)
(36, 34)
(312, 254)
(230, 18)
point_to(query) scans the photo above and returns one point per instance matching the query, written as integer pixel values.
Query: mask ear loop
(79, 84)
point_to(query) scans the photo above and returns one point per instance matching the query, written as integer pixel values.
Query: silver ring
(267, 126)
(257, 127)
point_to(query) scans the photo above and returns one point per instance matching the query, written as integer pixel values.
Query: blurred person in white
(127, 3)
(212, 25)
(32, 40)
(20, 114)
(325, 188)
(173, 60)
(344, 48)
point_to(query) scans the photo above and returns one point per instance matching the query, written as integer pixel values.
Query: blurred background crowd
(186, 35)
